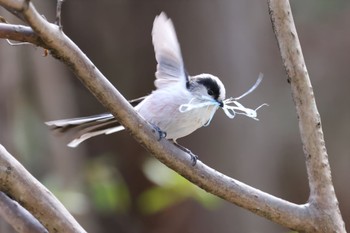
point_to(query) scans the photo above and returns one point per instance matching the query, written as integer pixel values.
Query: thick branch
(18, 217)
(322, 195)
(278, 210)
(17, 182)
(285, 213)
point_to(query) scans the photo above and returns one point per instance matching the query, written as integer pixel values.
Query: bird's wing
(170, 68)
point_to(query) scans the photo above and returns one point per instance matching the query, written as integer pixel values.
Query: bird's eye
(210, 92)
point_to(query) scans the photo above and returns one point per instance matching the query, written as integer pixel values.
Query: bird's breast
(162, 109)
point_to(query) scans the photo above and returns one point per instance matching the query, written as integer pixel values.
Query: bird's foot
(161, 134)
(194, 157)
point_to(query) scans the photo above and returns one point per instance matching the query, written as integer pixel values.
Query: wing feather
(170, 68)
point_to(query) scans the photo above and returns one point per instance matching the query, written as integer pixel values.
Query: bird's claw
(161, 134)
(194, 157)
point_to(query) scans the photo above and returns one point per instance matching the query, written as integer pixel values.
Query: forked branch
(18, 183)
(290, 215)
(323, 202)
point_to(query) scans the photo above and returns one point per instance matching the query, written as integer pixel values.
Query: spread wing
(170, 68)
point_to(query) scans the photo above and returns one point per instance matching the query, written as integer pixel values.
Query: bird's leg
(194, 157)
(161, 134)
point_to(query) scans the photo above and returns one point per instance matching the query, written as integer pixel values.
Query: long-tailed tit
(180, 105)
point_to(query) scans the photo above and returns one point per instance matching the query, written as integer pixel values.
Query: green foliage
(74, 200)
(171, 189)
(27, 135)
(109, 193)
(108, 190)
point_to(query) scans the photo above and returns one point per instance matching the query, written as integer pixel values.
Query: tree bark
(18, 183)
(18, 217)
(320, 214)
(323, 203)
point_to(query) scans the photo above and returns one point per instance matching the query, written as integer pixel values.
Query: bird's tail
(86, 127)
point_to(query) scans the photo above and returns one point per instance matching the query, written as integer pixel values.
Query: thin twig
(58, 14)
(20, 33)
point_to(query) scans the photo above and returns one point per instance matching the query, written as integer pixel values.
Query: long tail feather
(86, 127)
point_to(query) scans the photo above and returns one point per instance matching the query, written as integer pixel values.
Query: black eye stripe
(211, 85)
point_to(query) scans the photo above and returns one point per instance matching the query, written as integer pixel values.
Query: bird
(178, 106)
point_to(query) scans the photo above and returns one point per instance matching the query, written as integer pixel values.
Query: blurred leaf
(157, 199)
(27, 135)
(172, 188)
(76, 202)
(109, 192)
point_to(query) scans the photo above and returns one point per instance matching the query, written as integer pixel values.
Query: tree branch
(18, 217)
(297, 217)
(20, 33)
(322, 196)
(18, 183)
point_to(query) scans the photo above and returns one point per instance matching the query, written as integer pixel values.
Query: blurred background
(110, 183)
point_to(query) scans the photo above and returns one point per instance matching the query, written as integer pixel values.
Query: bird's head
(207, 87)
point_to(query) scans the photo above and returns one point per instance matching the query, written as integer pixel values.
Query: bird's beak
(221, 104)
